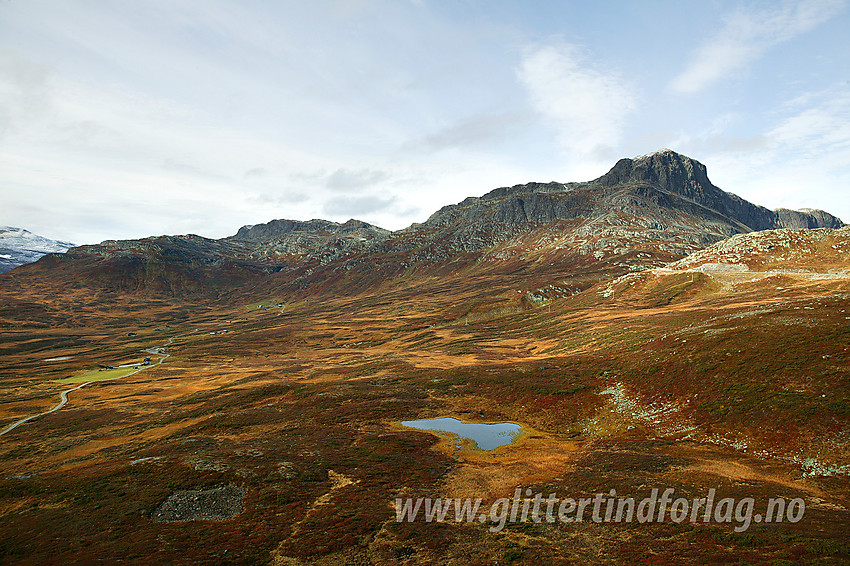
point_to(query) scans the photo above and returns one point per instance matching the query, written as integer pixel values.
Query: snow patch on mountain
(19, 246)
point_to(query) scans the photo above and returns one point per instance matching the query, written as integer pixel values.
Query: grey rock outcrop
(277, 229)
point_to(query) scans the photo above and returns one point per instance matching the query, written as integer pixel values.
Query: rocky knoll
(315, 239)
(804, 250)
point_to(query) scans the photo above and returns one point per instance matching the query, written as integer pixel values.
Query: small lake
(486, 436)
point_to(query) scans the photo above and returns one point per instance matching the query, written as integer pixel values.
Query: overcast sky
(124, 119)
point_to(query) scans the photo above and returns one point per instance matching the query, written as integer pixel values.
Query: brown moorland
(685, 377)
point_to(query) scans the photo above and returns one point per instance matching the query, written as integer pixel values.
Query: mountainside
(18, 246)
(643, 213)
(662, 191)
(171, 265)
(661, 202)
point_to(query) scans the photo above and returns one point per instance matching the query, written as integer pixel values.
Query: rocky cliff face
(805, 218)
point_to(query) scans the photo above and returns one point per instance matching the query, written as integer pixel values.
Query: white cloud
(588, 106)
(354, 206)
(800, 161)
(475, 132)
(24, 93)
(819, 128)
(352, 180)
(746, 35)
(131, 119)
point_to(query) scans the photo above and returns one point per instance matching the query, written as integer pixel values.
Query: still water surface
(486, 436)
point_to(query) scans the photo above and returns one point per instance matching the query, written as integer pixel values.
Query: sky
(125, 119)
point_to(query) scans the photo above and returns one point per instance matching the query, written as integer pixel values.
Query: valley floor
(692, 380)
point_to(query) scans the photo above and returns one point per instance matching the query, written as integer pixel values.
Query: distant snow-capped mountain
(18, 246)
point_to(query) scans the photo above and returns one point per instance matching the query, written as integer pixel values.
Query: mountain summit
(660, 202)
(675, 173)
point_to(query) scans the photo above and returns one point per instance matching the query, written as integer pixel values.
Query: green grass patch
(97, 375)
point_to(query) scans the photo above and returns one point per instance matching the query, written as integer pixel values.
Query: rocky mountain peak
(667, 170)
(686, 177)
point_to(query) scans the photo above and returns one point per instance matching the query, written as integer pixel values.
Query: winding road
(63, 396)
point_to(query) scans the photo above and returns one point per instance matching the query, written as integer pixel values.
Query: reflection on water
(486, 436)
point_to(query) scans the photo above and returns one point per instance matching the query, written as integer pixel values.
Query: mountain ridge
(649, 169)
(643, 212)
(665, 170)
